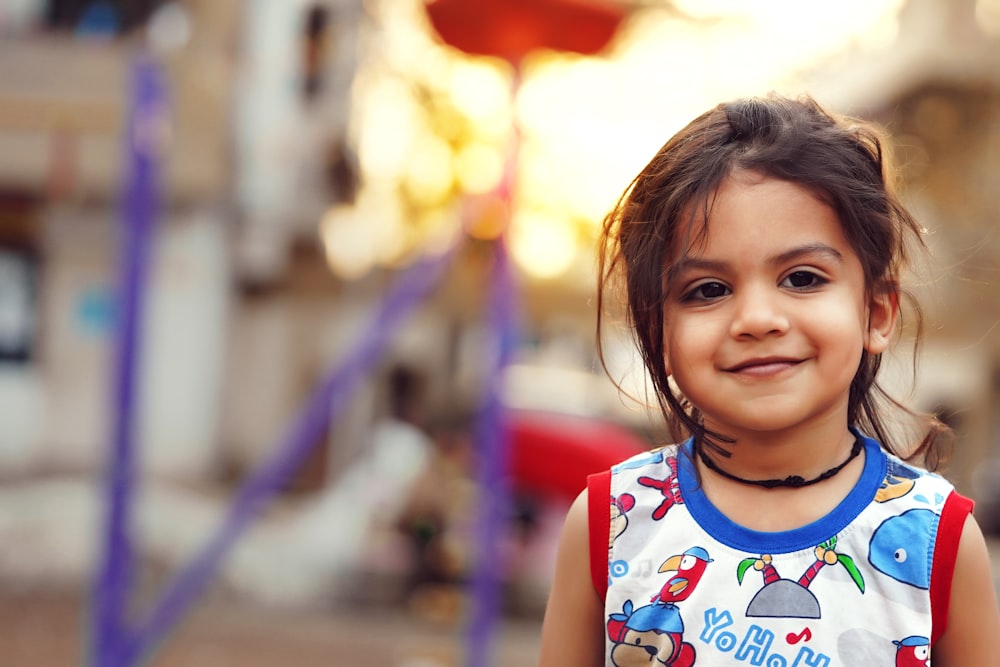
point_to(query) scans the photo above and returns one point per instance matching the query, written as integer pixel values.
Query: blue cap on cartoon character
(913, 651)
(653, 632)
(659, 617)
(699, 553)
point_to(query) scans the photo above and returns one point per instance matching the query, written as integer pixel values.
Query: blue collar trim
(720, 527)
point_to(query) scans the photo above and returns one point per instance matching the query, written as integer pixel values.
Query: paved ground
(46, 629)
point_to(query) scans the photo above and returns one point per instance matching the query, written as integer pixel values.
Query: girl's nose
(758, 313)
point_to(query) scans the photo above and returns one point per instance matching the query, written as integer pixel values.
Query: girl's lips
(763, 367)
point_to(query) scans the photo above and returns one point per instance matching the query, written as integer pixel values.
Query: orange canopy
(510, 29)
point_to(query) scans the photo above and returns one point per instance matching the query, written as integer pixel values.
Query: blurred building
(244, 314)
(257, 103)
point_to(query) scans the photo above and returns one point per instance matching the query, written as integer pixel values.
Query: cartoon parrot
(913, 651)
(689, 567)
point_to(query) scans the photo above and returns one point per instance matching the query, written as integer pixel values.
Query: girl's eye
(707, 292)
(802, 280)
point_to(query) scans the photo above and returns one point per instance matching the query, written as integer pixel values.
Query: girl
(760, 253)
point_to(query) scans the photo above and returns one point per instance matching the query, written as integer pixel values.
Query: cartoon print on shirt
(652, 457)
(887, 550)
(668, 486)
(913, 651)
(619, 517)
(862, 646)
(899, 481)
(785, 598)
(750, 626)
(619, 522)
(688, 568)
(654, 633)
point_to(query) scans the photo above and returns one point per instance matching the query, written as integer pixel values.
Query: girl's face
(767, 317)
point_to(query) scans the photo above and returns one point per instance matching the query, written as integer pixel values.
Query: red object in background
(510, 29)
(551, 454)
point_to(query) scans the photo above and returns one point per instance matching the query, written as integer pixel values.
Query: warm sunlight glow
(542, 245)
(350, 248)
(391, 234)
(429, 176)
(438, 124)
(811, 26)
(988, 16)
(439, 230)
(478, 167)
(487, 217)
(371, 233)
(479, 90)
(389, 129)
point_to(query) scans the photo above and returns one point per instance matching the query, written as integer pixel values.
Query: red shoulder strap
(956, 508)
(599, 522)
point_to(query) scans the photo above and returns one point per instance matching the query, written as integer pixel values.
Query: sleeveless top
(868, 584)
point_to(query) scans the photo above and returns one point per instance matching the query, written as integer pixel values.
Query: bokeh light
(440, 124)
(542, 243)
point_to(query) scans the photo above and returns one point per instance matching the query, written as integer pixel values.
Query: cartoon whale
(890, 550)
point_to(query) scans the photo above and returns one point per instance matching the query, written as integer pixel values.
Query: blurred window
(19, 268)
(315, 44)
(17, 304)
(88, 18)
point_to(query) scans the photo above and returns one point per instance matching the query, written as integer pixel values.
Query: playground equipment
(117, 639)
(116, 642)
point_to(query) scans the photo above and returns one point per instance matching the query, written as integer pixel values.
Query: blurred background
(307, 153)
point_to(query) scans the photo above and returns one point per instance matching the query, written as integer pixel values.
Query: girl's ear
(883, 314)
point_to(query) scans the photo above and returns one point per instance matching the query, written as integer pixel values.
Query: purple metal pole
(492, 437)
(492, 440)
(139, 208)
(328, 399)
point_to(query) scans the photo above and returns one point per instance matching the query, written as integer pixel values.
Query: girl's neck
(782, 508)
(802, 453)
(791, 481)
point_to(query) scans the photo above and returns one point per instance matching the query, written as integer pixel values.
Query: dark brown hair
(841, 160)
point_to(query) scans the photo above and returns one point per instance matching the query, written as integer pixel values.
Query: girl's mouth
(763, 366)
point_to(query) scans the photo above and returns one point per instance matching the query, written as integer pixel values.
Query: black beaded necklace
(793, 481)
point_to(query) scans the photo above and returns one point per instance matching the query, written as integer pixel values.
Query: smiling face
(767, 315)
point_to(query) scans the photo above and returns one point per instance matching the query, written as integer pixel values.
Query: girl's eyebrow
(809, 249)
(798, 252)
